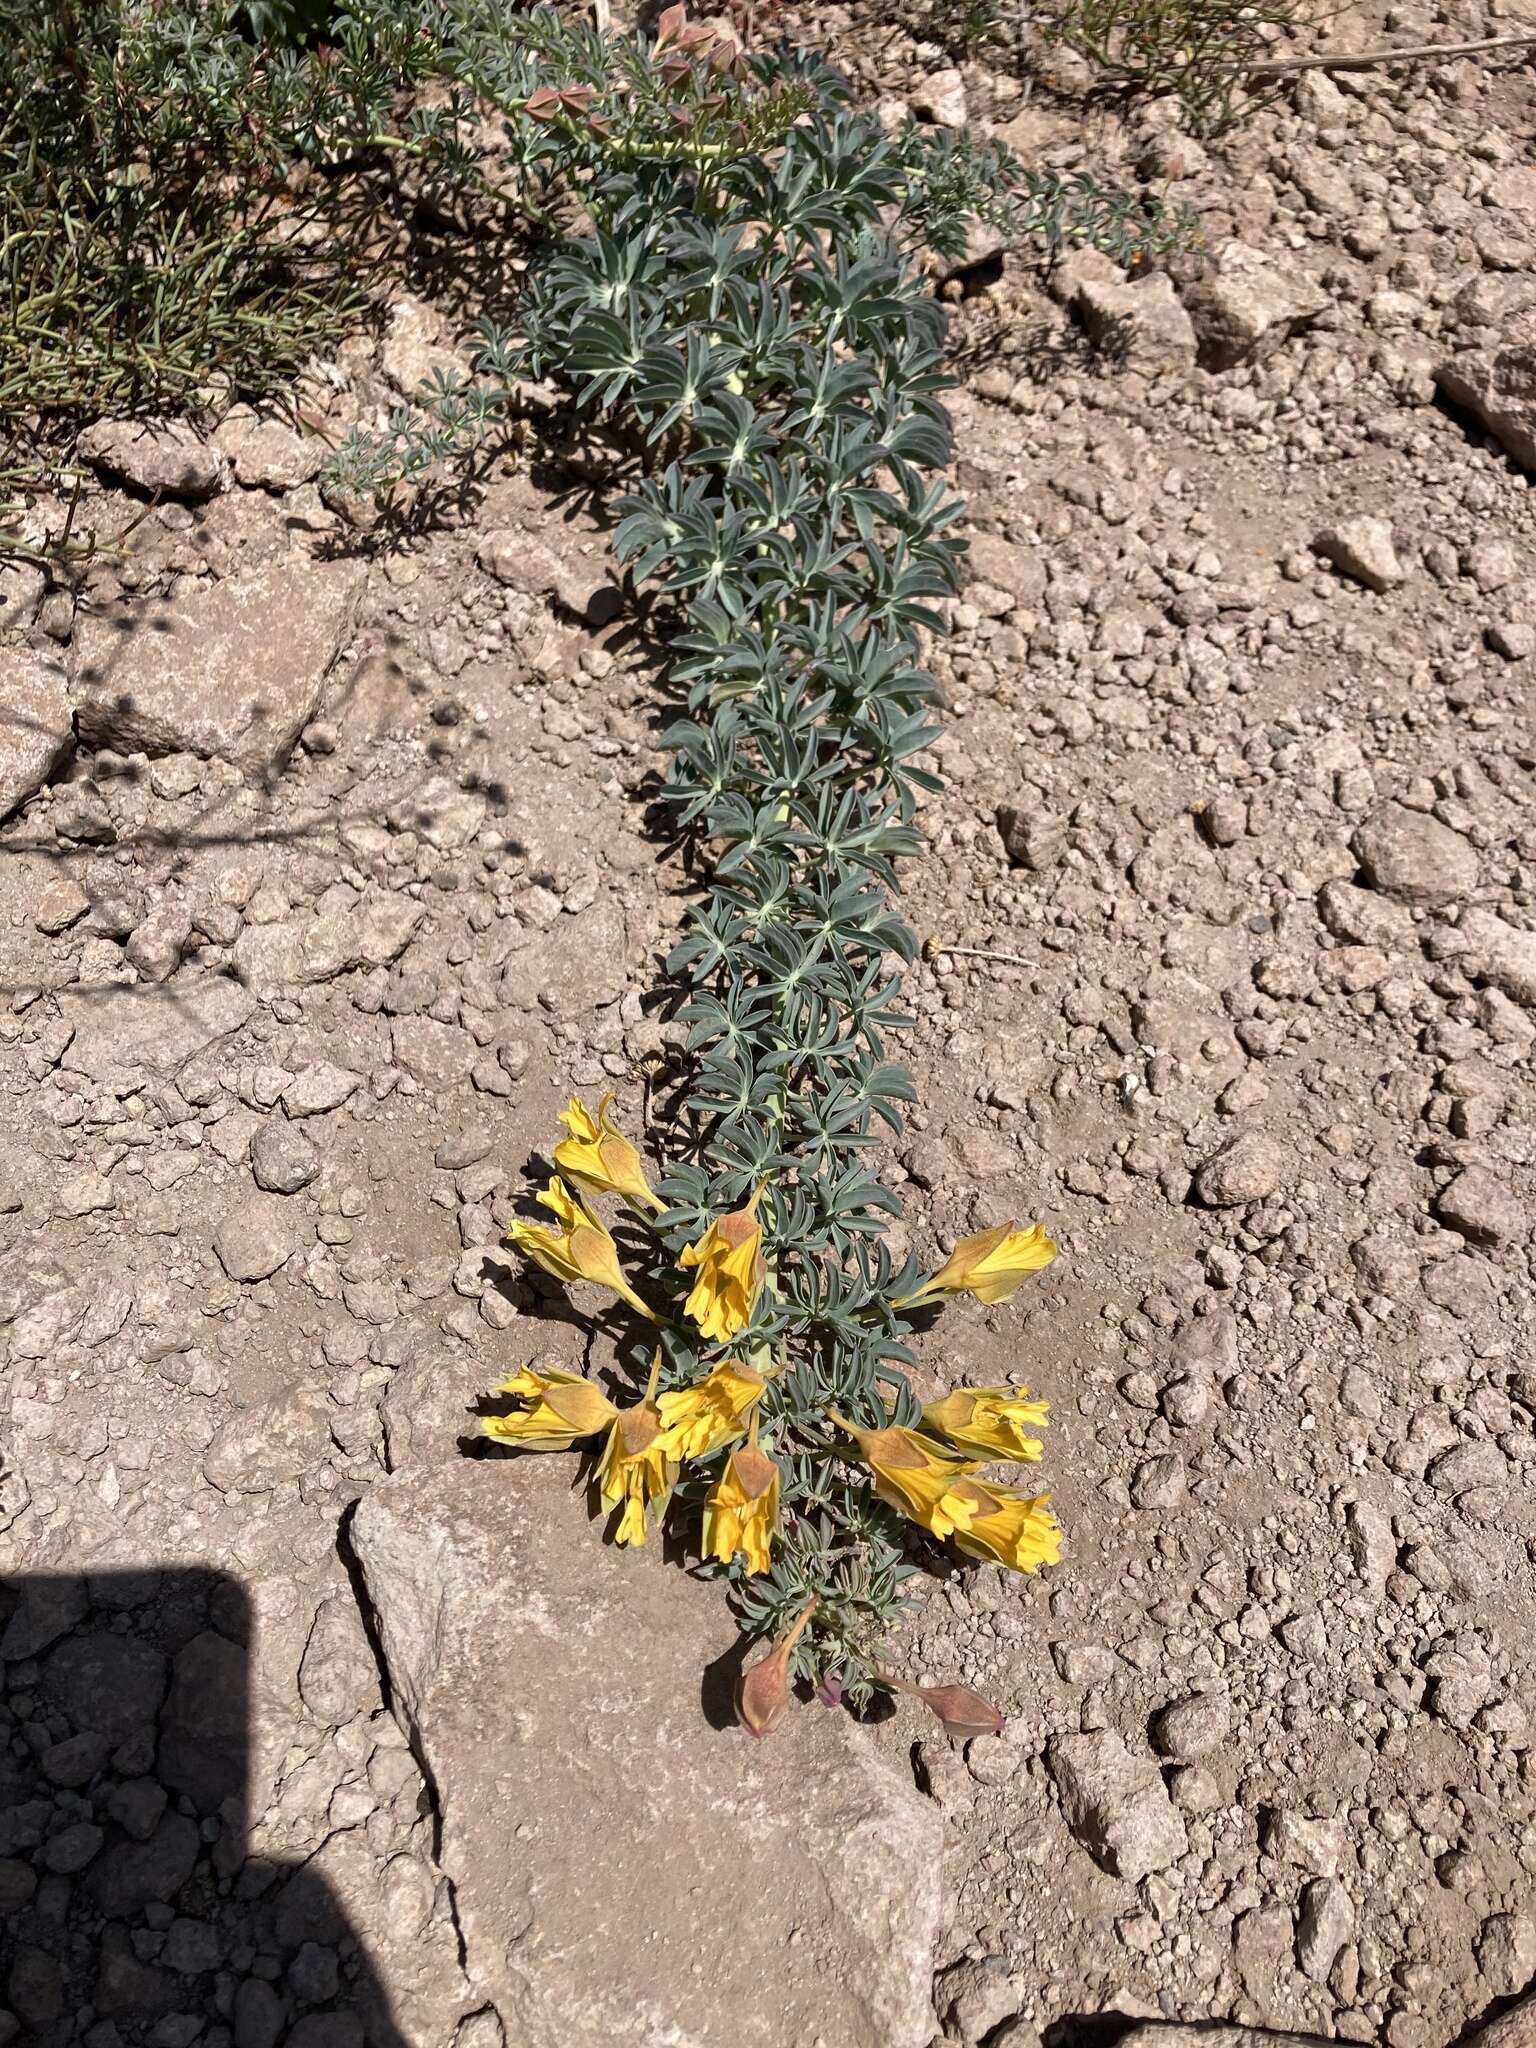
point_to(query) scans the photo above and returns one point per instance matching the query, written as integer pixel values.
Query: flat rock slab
(233, 668)
(157, 1027)
(623, 1870)
(36, 723)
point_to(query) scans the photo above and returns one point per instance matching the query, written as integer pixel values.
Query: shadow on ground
(130, 1913)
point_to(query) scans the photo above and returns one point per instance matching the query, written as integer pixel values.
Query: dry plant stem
(976, 953)
(1364, 60)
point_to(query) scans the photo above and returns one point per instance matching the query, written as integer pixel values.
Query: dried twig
(1365, 60)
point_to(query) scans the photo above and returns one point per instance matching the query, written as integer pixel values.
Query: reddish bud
(671, 25)
(962, 1711)
(543, 105)
(830, 1692)
(762, 1692)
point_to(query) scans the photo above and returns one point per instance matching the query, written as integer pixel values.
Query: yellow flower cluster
(916, 1475)
(598, 1157)
(645, 1444)
(927, 1474)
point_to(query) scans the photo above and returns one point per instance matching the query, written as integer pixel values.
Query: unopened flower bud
(762, 1692)
(962, 1711)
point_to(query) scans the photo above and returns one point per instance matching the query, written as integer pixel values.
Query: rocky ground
(328, 878)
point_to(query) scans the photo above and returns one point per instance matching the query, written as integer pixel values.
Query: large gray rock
(622, 1868)
(234, 668)
(1249, 306)
(158, 1028)
(36, 724)
(1498, 384)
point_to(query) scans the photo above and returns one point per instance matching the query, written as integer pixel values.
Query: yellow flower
(729, 1258)
(700, 1418)
(580, 1249)
(989, 1265)
(563, 1407)
(741, 1509)
(599, 1155)
(988, 1421)
(1007, 1528)
(915, 1476)
(635, 1469)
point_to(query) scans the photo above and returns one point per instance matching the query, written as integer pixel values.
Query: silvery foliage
(747, 303)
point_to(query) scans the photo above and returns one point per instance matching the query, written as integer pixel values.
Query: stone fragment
(265, 1446)
(162, 458)
(1220, 2035)
(1116, 1804)
(1143, 323)
(975, 1998)
(1249, 306)
(1363, 917)
(36, 724)
(129, 1876)
(438, 1055)
(1506, 1952)
(254, 1238)
(495, 1607)
(1412, 856)
(1320, 1846)
(338, 1678)
(105, 1684)
(205, 1733)
(50, 1605)
(1191, 1727)
(940, 98)
(282, 1158)
(260, 2015)
(1030, 839)
(270, 958)
(1249, 1168)
(1479, 1463)
(320, 1088)
(1483, 1208)
(1324, 1923)
(1498, 385)
(1369, 1540)
(233, 669)
(1504, 954)
(1362, 548)
(1158, 1482)
(416, 346)
(581, 586)
(158, 941)
(268, 453)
